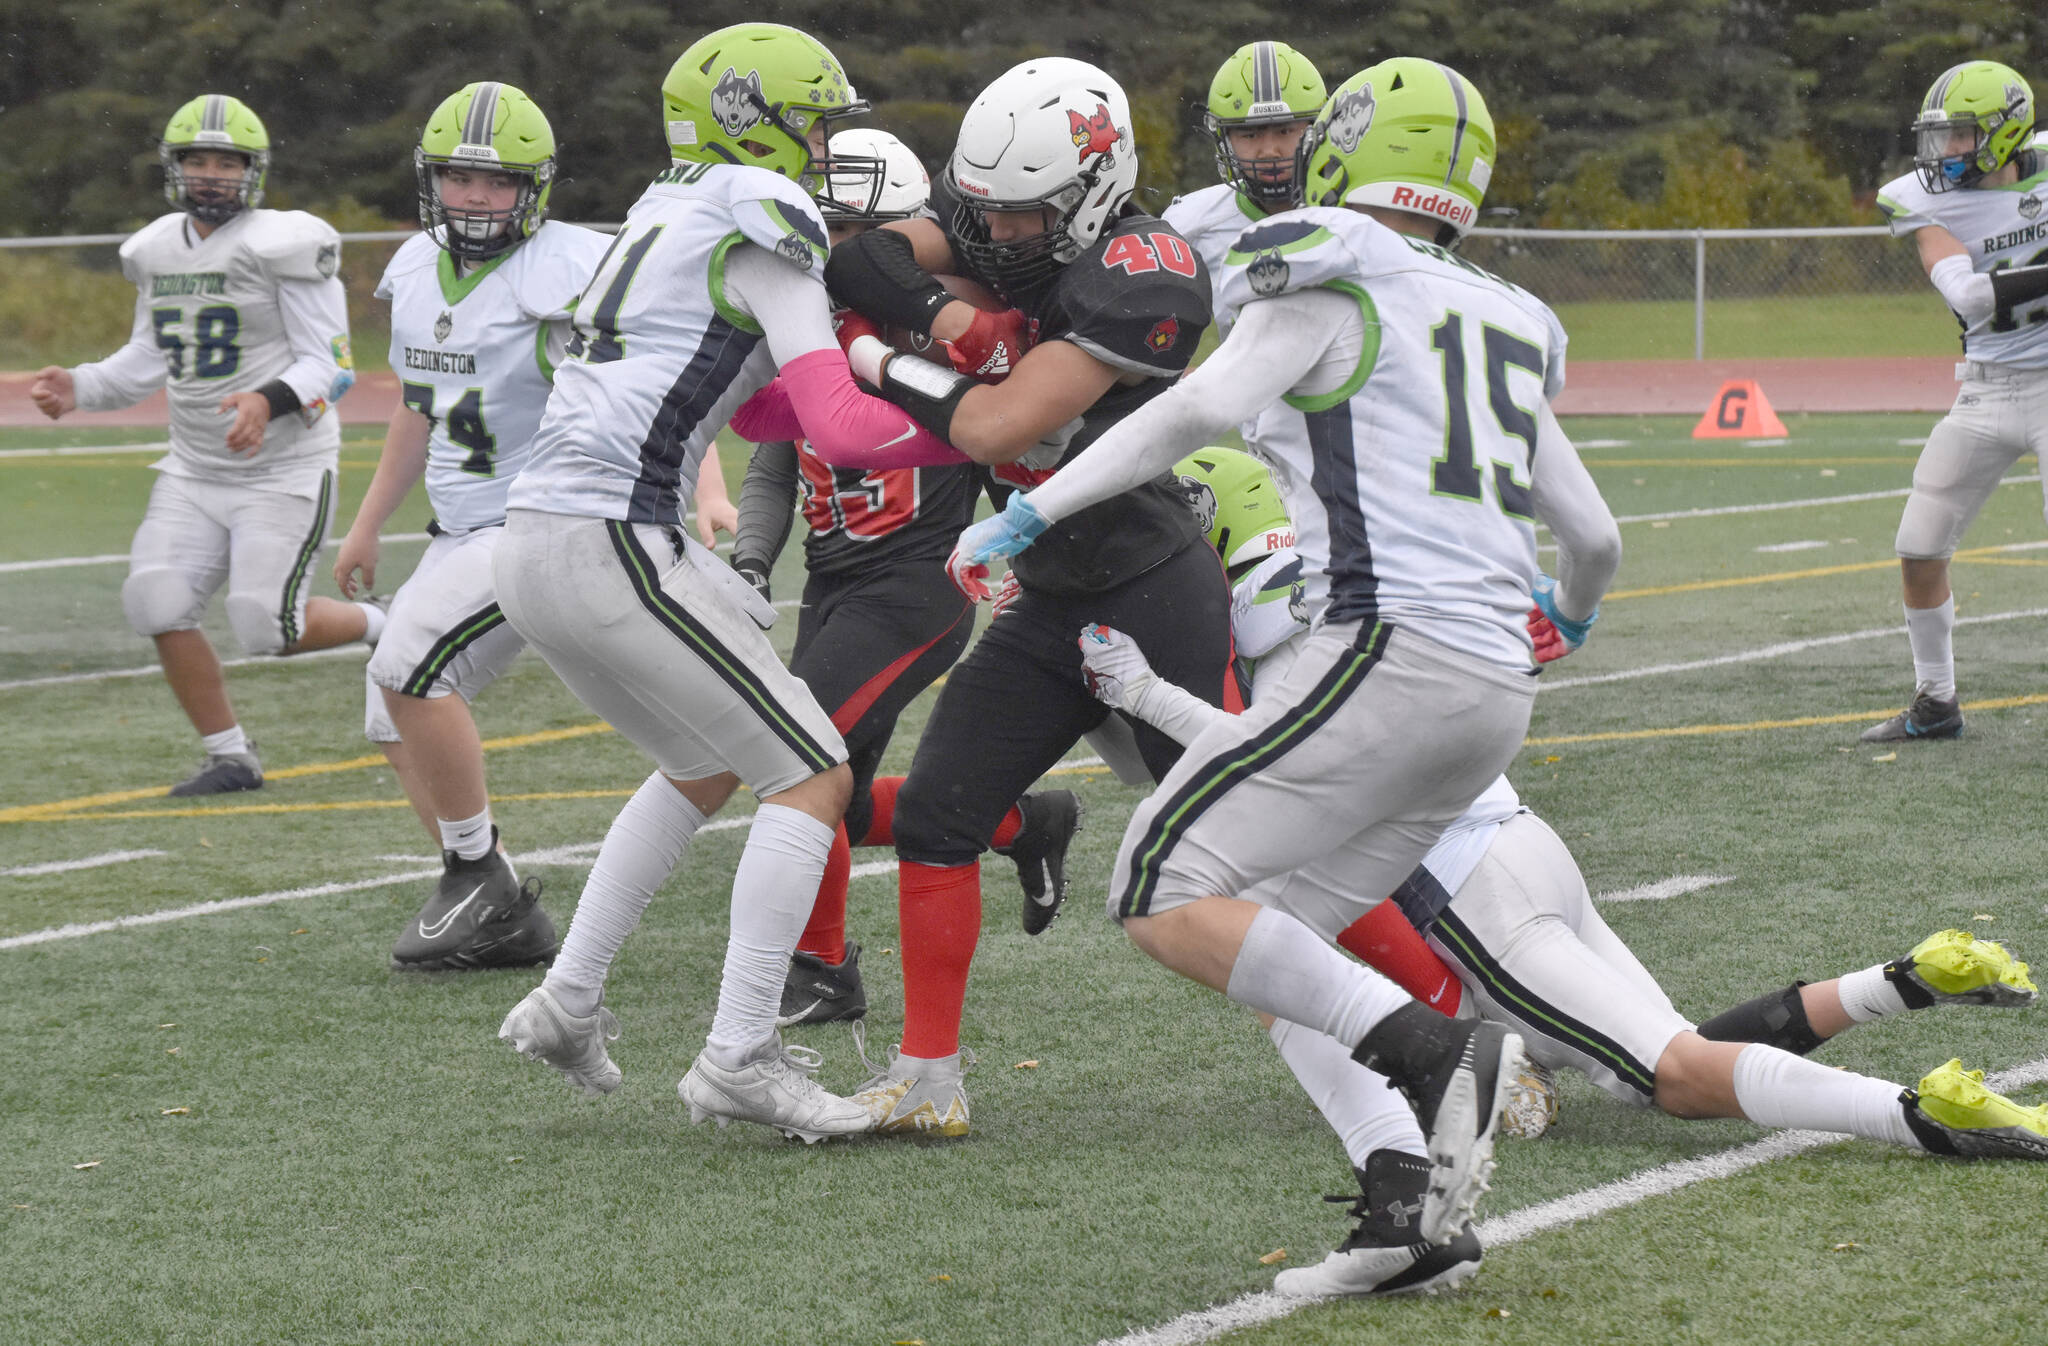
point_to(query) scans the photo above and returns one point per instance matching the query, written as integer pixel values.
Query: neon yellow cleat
(1953, 1113)
(1954, 967)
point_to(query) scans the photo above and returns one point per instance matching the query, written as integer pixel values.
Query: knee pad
(255, 624)
(160, 599)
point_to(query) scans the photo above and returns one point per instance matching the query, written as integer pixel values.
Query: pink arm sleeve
(767, 417)
(850, 428)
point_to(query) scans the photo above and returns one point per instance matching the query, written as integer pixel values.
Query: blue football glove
(1554, 634)
(998, 536)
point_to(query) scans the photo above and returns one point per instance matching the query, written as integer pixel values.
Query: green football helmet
(1236, 503)
(1973, 121)
(1262, 84)
(493, 128)
(1406, 134)
(214, 121)
(749, 94)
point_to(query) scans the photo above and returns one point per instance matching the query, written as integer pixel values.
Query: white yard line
(1191, 1329)
(87, 450)
(111, 558)
(1770, 505)
(1676, 886)
(89, 862)
(83, 928)
(1763, 652)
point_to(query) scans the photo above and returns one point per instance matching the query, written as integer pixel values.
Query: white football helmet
(1050, 132)
(874, 178)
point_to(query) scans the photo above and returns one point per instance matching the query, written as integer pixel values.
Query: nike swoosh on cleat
(440, 927)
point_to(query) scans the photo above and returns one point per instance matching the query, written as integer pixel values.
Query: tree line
(1611, 113)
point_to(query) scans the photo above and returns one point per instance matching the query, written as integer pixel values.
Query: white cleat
(776, 1090)
(1415, 1268)
(539, 1029)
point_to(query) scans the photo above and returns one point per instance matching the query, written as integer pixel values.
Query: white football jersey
(661, 358)
(1210, 220)
(2001, 226)
(476, 355)
(212, 309)
(1463, 845)
(1409, 484)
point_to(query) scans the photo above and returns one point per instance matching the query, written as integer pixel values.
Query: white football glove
(1115, 668)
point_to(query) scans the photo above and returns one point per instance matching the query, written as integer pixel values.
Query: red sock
(825, 936)
(940, 908)
(882, 822)
(1383, 938)
(1007, 830)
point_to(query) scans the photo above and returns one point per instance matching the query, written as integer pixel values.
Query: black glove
(755, 576)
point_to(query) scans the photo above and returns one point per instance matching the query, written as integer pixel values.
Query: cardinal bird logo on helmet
(1093, 134)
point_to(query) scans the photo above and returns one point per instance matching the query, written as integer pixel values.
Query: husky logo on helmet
(736, 101)
(1095, 133)
(443, 325)
(1201, 499)
(1351, 118)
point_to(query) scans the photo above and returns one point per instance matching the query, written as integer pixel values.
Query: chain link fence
(1622, 294)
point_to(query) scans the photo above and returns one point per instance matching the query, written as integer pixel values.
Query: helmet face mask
(220, 123)
(758, 94)
(1407, 134)
(871, 177)
(1051, 135)
(1975, 118)
(1263, 86)
(484, 129)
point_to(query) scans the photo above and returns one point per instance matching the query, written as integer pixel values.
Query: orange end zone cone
(1740, 411)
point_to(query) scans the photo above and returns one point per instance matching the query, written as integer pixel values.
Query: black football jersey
(1138, 301)
(859, 519)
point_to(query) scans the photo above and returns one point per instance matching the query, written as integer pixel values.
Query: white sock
(1776, 1088)
(1866, 995)
(1360, 1106)
(772, 894)
(1931, 633)
(469, 838)
(1284, 969)
(641, 850)
(228, 740)
(373, 622)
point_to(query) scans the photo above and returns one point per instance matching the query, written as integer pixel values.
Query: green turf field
(239, 1127)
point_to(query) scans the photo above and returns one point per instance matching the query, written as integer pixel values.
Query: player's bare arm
(399, 468)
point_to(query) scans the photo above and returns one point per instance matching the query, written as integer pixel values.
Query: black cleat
(1039, 850)
(222, 773)
(1457, 1074)
(1385, 1254)
(818, 992)
(480, 916)
(1925, 718)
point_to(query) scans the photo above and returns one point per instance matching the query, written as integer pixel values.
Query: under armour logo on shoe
(1398, 1212)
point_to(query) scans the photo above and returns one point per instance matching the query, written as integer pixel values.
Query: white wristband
(866, 356)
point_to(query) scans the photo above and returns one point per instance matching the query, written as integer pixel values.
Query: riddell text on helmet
(1440, 204)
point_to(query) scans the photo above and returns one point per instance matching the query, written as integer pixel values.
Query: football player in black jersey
(879, 621)
(1111, 303)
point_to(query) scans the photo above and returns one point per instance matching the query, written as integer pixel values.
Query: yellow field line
(26, 813)
(1755, 726)
(1972, 554)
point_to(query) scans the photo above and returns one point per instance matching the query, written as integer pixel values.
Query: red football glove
(1550, 643)
(848, 325)
(991, 346)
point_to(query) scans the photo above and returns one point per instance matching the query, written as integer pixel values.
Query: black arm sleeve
(282, 399)
(877, 274)
(2015, 285)
(767, 500)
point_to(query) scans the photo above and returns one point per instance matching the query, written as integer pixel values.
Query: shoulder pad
(552, 269)
(772, 212)
(418, 253)
(135, 248)
(1138, 299)
(1266, 606)
(1906, 205)
(292, 245)
(1300, 250)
